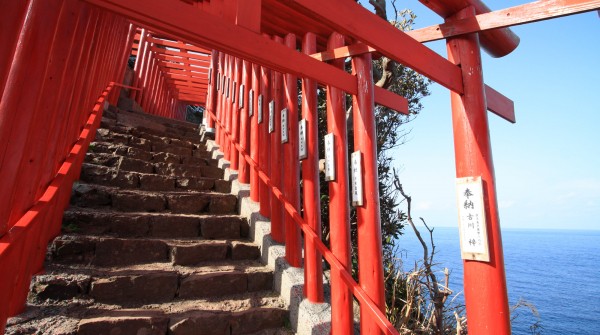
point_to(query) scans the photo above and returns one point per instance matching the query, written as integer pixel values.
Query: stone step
(191, 167)
(111, 176)
(251, 313)
(199, 156)
(112, 251)
(110, 129)
(136, 286)
(89, 221)
(98, 196)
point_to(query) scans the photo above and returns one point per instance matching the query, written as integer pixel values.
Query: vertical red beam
(143, 69)
(484, 282)
(370, 262)
(254, 180)
(235, 114)
(228, 106)
(339, 210)
(293, 241)
(26, 75)
(244, 173)
(313, 272)
(264, 141)
(220, 100)
(277, 228)
(139, 60)
(212, 101)
(13, 13)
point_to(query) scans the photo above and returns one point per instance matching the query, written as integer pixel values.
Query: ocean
(558, 271)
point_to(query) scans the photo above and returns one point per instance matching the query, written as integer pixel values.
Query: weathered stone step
(150, 283)
(199, 156)
(191, 168)
(112, 176)
(254, 313)
(94, 196)
(112, 251)
(149, 142)
(90, 221)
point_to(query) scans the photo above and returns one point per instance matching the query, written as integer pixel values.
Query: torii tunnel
(62, 60)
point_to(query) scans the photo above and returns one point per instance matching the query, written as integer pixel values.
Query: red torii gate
(253, 39)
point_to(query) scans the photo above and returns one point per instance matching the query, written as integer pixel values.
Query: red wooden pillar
(313, 273)
(228, 107)
(293, 241)
(273, 120)
(139, 61)
(370, 262)
(244, 173)
(264, 140)
(254, 180)
(484, 282)
(235, 114)
(13, 13)
(221, 100)
(26, 75)
(339, 209)
(212, 101)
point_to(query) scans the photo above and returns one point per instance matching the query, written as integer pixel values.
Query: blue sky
(548, 163)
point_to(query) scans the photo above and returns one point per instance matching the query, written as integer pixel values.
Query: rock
(205, 323)
(188, 203)
(123, 326)
(254, 320)
(174, 226)
(214, 227)
(244, 250)
(213, 284)
(152, 287)
(222, 204)
(196, 253)
(112, 251)
(136, 202)
(153, 182)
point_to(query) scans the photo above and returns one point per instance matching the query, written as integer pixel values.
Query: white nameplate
(242, 96)
(250, 103)
(357, 180)
(218, 81)
(329, 158)
(271, 116)
(302, 153)
(259, 112)
(284, 126)
(227, 87)
(471, 219)
(209, 75)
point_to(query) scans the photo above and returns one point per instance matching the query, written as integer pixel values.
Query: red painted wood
(499, 104)
(276, 172)
(254, 180)
(352, 19)
(339, 209)
(370, 259)
(13, 13)
(497, 42)
(313, 264)
(235, 114)
(484, 283)
(293, 242)
(26, 75)
(264, 141)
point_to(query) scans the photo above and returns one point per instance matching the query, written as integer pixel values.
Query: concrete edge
(306, 318)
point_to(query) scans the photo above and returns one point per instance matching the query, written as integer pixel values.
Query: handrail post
(235, 114)
(244, 173)
(293, 241)
(277, 229)
(313, 272)
(254, 180)
(264, 141)
(486, 296)
(370, 257)
(339, 209)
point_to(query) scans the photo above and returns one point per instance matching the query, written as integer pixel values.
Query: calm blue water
(556, 270)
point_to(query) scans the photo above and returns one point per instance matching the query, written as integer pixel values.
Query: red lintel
(522, 14)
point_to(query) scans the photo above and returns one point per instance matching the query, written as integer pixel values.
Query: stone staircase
(151, 244)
